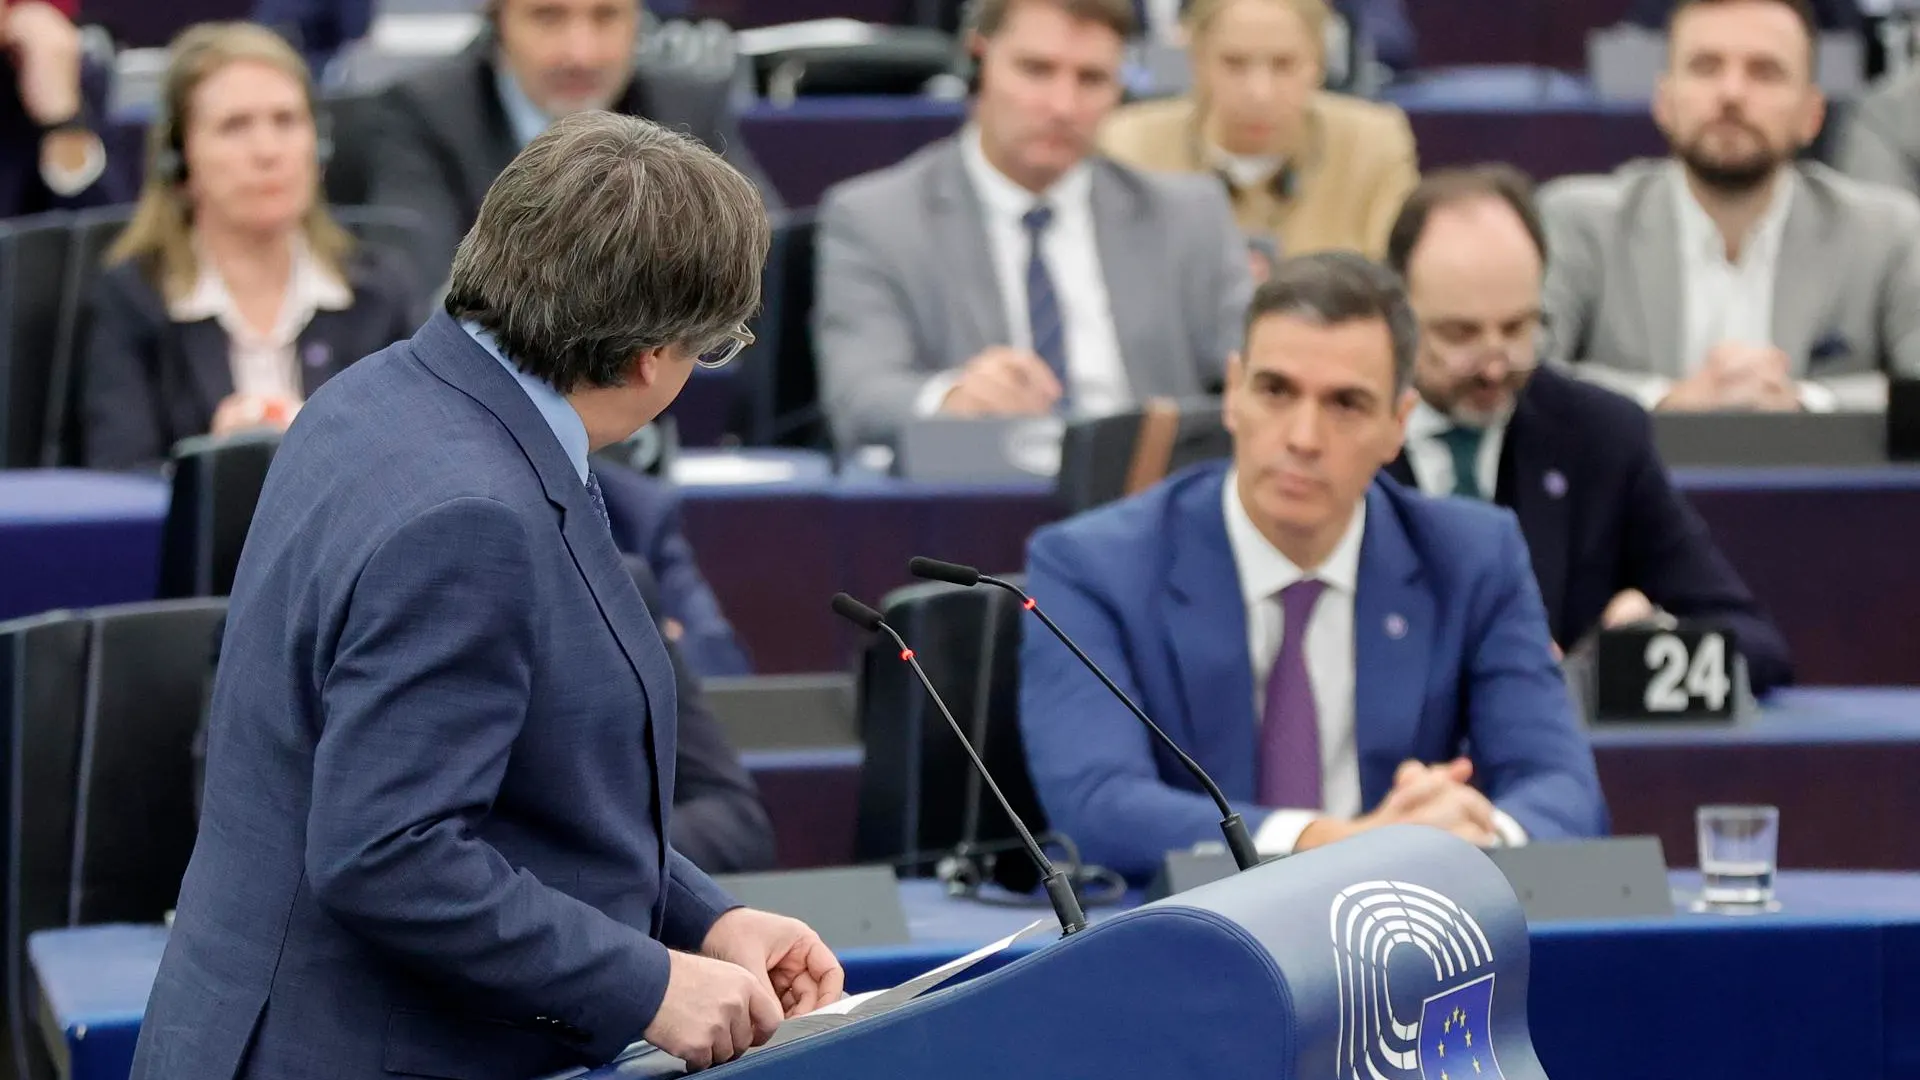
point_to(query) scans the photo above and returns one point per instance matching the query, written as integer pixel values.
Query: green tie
(1464, 444)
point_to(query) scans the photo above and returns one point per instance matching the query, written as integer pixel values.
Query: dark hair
(989, 16)
(610, 235)
(1334, 287)
(1801, 8)
(1448, 187)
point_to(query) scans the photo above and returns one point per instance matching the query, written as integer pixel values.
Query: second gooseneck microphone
(1232, 825)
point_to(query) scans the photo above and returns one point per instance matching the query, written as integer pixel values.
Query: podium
(1400, 954)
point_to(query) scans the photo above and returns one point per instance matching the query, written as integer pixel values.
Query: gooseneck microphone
(1066, 906)
(1239, 841)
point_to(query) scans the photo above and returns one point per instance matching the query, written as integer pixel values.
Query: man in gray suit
(1732, 277)
(1009, 272)
(1881, 140)
(444, 134)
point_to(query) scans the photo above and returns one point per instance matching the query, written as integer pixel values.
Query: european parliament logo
(1432, 1018)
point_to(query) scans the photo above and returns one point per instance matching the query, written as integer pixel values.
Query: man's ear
(646, 367)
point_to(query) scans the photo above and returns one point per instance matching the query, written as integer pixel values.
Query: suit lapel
(1206, 618)
(1393, 630)
(1656, 271)
(1534, 472)
(1402, 471)
(1131, 255)
(324, 348)
(1802, 283)
(960, 231)
(209, 361)
(458, 359)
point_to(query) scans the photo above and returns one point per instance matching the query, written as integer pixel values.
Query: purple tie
(1290, 723)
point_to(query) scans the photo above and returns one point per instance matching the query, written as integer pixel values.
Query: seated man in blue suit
(1325, 642)
(1611, 540)
(646, 522)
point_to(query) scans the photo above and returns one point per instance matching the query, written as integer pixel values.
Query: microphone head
(936, 570)
(856, 612)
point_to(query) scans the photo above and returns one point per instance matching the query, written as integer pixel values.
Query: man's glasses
(722, 354)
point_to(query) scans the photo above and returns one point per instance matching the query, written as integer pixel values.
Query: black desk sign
(1651, 673)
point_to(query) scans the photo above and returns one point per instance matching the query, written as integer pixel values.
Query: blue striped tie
(1043, 304)
(598, 499)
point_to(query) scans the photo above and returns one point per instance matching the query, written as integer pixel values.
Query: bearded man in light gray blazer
(1730, 276)
(1008, 272)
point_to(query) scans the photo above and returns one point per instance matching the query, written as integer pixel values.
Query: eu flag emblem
(1456, 1034)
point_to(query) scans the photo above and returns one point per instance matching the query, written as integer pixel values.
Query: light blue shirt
(526, 119)
(566, 424)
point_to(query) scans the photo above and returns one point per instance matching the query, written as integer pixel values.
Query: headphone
(170, 161)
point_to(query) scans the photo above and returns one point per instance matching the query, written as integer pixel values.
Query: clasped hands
(754, 970)
(1738, 376)
(1437, 795)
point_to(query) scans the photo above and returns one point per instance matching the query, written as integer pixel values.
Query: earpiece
(170, 164)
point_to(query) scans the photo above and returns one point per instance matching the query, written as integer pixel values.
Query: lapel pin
(316, 354)
(1556, 483)
(1396, 626)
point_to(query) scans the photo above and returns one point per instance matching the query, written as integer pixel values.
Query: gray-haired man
(439, 766)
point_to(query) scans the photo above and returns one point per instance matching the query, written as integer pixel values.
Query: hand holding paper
(785, 954)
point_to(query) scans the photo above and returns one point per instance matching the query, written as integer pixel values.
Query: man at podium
(439, 777)
(1338, 651)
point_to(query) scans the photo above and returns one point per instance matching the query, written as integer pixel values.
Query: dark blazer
(1579, 468)
(1451, 656)
(22, 191)
(439, 763)
(147, 382)
(645, 514)
(442, 136)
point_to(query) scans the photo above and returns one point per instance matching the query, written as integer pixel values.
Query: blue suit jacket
(439, 763)
(1149, 589)
(646, 521)
(1579, 468)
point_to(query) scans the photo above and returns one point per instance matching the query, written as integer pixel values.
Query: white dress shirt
(265, 365)
(1264, 571)
(1724, 300)
(1432, 462)
(1095, 370)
